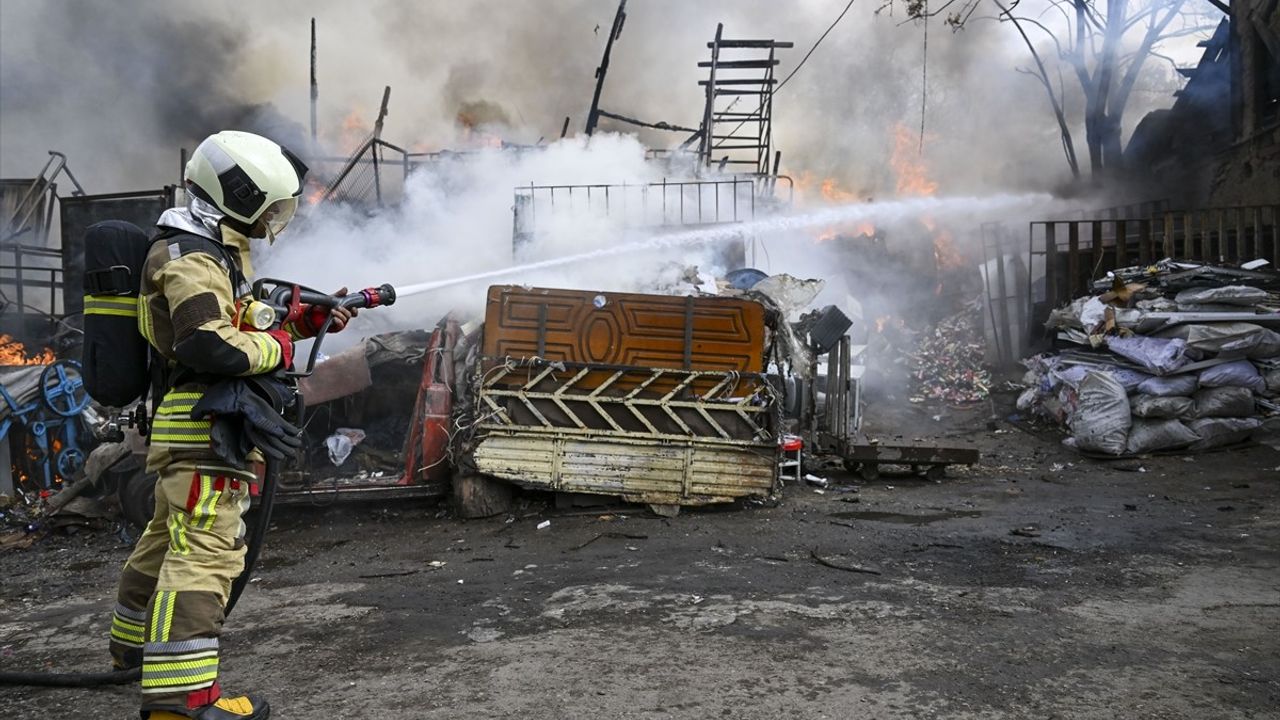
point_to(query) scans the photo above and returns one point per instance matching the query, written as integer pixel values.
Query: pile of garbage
(947, 364)
(1174, 356)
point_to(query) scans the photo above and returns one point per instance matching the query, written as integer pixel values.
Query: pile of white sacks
(1190, 384)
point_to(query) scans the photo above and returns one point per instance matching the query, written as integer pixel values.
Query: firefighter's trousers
(169, 608)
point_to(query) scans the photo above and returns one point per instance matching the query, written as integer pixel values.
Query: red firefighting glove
(313, 317)
(286, 347)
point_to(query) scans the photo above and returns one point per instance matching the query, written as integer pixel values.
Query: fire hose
(285, 302)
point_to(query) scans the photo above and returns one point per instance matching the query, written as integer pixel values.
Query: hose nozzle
(382, 295)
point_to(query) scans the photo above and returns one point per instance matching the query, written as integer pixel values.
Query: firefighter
(175, 585)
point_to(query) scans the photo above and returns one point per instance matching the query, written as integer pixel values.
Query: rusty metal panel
(607, 328)
(693, 473)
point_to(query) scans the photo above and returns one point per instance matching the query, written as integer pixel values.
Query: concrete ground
(1035, 585)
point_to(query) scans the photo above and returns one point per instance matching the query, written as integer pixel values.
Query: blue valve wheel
(62, 386)
(69, 462)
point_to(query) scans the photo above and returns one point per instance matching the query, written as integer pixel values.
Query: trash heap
(947, 364)
(1174, 356)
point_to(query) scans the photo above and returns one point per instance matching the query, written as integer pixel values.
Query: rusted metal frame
(1168, 246)
(1275, 235)
(686, 472)
(497, 410)
(1052, 290)
(635, 412)
(510, 365)
(1146, 241)
(573, 380)
(1257, 234)
(608, 381)
(660, 125)
(533, 409)
(538, 378)
(1122, 244)
(1188, 230)
(715, 391)
(653, 377)
(680, 386)
(1097, 255)
(648, 402)
(705, 143)
(568, 413)
(593, 115)
(625, 435)
(702, 410)
(1221, 245)
(666, 408)
(1239, 247)
(557, 462)
(607, 417)
(1073, 259)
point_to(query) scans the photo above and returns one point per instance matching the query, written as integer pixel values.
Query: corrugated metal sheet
(638, 471)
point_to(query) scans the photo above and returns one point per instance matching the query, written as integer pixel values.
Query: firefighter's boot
(244, 707)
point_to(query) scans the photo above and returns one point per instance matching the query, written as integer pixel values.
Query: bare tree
(1103, 44)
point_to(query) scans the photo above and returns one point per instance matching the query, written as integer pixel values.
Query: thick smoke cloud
(121, 85)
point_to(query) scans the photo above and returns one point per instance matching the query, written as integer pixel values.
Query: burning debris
(14, 353)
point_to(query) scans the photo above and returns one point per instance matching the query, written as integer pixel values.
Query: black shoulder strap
(188, 243)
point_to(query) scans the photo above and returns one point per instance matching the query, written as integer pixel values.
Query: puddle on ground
(906, 519)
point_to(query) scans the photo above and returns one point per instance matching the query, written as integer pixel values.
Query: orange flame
(912, 179)
(353, 131)
(13, 352)
(828, 191)
(909, 169)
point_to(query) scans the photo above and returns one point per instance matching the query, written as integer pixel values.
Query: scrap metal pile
(1173, 356)
(947, 365)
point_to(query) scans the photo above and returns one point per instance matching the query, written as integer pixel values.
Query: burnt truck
(660, 400)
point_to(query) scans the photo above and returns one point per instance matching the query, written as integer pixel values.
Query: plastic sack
(1273, 380)
(1217, 432)
(1240, 373)
(1129, 379)
(1232, 339)
(1092, 313)
(1173, 385)
(1159, 355)
(1151, 435)
(1101, 420)
(1027, 400)
(1223, 402)
(1240, 295)
(341, 443)
(1154, 407)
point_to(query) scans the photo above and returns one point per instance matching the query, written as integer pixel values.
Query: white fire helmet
(248, 177)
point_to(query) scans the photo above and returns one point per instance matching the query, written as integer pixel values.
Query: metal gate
(651, 435)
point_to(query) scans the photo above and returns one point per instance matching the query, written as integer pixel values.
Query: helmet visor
(277, 216)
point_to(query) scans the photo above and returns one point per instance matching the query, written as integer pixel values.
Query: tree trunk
(1112, 151)
(1093, 135)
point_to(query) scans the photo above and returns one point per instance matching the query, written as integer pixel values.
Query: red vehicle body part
(427, 445)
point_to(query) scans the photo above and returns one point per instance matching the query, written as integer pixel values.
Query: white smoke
(456, 218)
